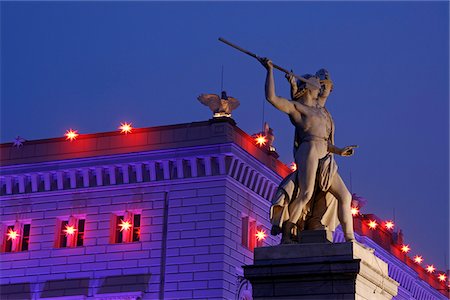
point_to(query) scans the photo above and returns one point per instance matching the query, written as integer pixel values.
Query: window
(71, 233)
(25, 237)
(127, 228)
(248, 233)
(252, 235)
(245, 231)
(16, 237)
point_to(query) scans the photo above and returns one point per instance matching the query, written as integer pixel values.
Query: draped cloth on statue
(321, 209)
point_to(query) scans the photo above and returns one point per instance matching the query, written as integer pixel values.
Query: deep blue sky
(90, 66)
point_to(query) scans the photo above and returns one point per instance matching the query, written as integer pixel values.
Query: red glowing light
(355, 211)
(261, 140)
(293, 166)
(125, 225)
(125, 127)
(430, 268)
(70, 230)
(389, 225)
(71, 134)
(261, 235)
(405, 248)
(418, 259)
(442, 277)
(12, 234)
(372, 224)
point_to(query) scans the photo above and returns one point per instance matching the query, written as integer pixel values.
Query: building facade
(170, 212)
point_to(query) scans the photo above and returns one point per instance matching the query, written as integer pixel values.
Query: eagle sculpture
(220, 106)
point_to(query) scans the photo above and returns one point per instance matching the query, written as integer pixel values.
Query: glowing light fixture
(442, 277)
(125, 127)
(430, 268)
(70, 230)
(355, 211)
(293, 166)
(418, 259)
(71, 134)
(125, 225)
(405, 248)
(373, 224)
(389, 225)
(12, 234)
(261, 140)
(261, 235)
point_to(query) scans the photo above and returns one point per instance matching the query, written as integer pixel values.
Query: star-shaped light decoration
(389, 225)
(12, 234)
(70, 230)
(442, 277)
(372, 224)
(293, 166)
(355, 211)
(418, 259)
(18, 142)
(430, 268)
(261, 235)
(405, 248)
(71, 134)
(125, 225)
(125, 127)
(260, 140)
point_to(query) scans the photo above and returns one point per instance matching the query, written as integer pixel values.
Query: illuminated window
(25, 237)
(16, 237)
(71, 233)
(127, 228)
(248, 233)
(80, 236)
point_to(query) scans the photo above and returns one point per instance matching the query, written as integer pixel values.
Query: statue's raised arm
(280, 103)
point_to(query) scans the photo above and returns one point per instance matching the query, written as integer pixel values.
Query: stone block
(316, 236)
(319, 271)
(122, 264)
(208, 293)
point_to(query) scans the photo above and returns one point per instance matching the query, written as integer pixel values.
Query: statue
(313, 152)
(220, 106)
(316, 177)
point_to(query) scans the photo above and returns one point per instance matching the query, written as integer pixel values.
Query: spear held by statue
(274, 65)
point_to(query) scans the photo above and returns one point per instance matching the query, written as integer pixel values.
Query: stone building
(168, 212)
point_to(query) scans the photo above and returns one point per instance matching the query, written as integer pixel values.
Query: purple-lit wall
(202, 192)
(194, 186)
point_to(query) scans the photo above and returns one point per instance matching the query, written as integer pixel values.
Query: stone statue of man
(313, 151)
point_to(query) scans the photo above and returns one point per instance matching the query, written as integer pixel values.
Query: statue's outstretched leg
(339, 190)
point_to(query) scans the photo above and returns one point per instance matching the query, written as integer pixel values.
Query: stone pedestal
(319, 271)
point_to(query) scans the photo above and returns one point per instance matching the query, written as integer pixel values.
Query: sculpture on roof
(220, 106)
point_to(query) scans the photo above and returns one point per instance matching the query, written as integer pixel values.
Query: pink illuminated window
(16, 237)
(71, 233)
(127, 228)
(249, 230)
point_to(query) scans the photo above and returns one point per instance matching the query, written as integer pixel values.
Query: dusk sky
(90, 66)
